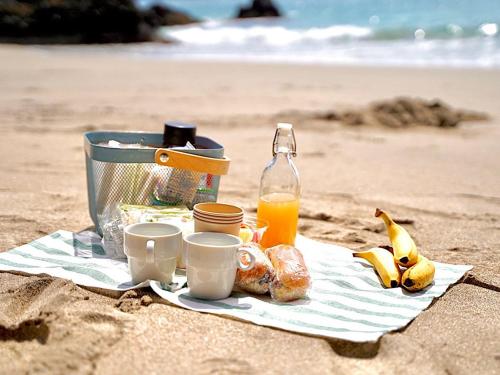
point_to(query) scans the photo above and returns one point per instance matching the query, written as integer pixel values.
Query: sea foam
(278, 41)
(213, 32)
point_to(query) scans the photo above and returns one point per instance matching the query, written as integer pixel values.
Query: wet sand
(445, 182)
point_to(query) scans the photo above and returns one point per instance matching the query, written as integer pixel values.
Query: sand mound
(406, 112)
(49, 325)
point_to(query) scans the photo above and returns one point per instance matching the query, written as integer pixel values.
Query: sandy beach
(444, 182)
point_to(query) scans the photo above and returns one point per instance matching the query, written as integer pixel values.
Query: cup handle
(150, 251)
(242, 266)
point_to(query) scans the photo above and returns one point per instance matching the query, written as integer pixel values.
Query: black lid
(178, 133)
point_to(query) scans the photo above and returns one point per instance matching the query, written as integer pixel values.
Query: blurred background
(381, 32)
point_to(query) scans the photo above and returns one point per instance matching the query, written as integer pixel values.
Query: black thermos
(178, 133)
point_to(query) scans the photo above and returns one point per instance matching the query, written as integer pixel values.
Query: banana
(405, 250)
(384, 264)
(419, 276)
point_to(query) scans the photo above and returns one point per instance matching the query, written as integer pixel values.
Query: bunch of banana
(420, 270)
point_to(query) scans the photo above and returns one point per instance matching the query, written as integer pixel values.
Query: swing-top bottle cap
(284, 139)
(284, 125)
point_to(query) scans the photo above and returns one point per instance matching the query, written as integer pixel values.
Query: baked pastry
(291, 277)
(257, 279)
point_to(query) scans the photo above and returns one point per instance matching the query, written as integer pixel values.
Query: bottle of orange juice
(280, 191)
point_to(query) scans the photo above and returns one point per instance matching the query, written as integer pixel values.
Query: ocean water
(375, 32)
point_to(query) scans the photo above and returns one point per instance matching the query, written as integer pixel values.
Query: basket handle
(195, 163)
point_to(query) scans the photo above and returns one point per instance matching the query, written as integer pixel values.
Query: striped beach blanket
(346, 301)
(77, 257)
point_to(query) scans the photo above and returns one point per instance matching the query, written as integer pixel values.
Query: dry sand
(445, 181)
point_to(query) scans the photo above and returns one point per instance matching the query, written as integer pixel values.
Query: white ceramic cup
(152, 250)
(211, 263)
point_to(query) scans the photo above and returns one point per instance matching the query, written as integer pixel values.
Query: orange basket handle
(195, 163)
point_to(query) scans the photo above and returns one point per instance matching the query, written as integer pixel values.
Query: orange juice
(281, 211)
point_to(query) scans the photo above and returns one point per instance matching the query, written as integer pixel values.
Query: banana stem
(387, 219)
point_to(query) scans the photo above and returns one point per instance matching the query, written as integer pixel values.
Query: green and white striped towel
(346, 300)
(77, 257)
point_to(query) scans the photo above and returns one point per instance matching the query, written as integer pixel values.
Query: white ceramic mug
(152, 250)
(211, 263)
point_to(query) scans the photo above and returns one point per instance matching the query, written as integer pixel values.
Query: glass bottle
(280, 191)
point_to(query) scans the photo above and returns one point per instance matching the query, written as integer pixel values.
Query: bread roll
(291, 277)
(257, 279)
